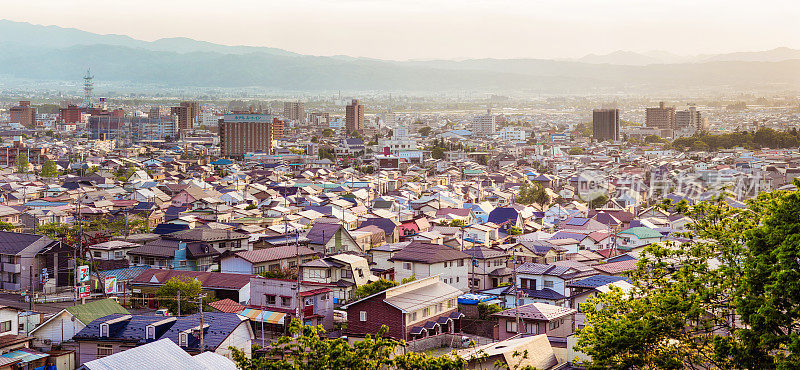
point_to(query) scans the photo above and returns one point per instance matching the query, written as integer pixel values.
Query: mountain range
(63, 54)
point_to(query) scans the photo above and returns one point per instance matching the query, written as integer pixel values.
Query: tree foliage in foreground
(728, 298)
(305, 348)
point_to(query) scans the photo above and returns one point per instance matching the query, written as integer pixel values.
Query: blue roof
(596, 281)
(220, 325)
(577, 221)
(162, 229)
(388, 226)
(503, 215)
(222, 162)
(568, 235)
(126, 273)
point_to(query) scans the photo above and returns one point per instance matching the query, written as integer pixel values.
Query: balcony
(12, 267)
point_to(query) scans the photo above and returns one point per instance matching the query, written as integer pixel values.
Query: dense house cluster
(297, 234)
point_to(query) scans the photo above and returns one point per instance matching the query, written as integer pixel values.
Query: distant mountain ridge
(63, 54)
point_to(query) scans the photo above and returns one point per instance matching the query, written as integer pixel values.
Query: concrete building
(354, 117)
(605, 124)
(690, 119)
(24, 114)
(245, 133)
(484, 124)
(294, 111)
(188, 113)
(662, 118)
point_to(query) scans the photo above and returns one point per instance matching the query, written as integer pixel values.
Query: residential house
(117, 333)
(327, 239)
(268, 259)
(424, 259)
(488, 268)
(62, 326)
(534, 319)
(216, 285)
(160, 354)
(417, 309)
(278, 299)
(342, 273)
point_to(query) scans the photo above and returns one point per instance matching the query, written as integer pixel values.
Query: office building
(245, 133)
(188, 114)
(354, 117)
(662, 117)
(690, 119)
(320, 121)
(24, 114)
(70, 114)
(295, 111)
(484, 125)
(605, 124)
(108, 127)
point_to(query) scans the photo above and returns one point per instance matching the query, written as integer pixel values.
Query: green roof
(91, 311)
(642, 232)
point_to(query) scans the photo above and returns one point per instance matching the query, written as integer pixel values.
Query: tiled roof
(544, 269)
(537, 311)
(320, 233)
(14, 243)
(428, 253)
(218, 280)
(274, 253)
(483, 252)
(88, 312)
(596, 281)
(617, 267)
(205, 235)
(227, 305)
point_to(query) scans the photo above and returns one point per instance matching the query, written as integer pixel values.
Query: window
(548, 284)
(5, 326)
(555, 324)
(258, 269)
(270, 299)
(97, 254)
(426, 312)
(451, 303)
(118, 255)
(275, 267)
(183, 339)
(151, 332)
(407, 265)
(511, 326)
(135, 260)
(362, 315)
(346, 274)
(360, 273)
(103, 330)
(439, 307)
(460, 263)
(182, 263)
(104, 350)
(286, 301)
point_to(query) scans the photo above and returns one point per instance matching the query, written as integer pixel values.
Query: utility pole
(179, 302)
(516, 291)
(297, 256)
(199, 302)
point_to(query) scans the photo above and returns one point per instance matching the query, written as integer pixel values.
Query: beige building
(662, 118)
(354, 117)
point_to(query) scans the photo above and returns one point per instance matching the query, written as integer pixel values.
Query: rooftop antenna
(88, 89)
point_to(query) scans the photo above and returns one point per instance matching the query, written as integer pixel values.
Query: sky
(446, 29)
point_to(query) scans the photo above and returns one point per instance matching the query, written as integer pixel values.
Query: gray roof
(428, 253)
(161, 354)
(16, 243)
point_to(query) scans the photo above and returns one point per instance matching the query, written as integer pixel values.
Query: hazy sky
(407, 29)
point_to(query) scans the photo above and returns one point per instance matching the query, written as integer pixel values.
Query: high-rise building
(690, 119)
(354, 117)
(484, 124)
(70, 114)
(188, 113)
(294, 111)
(662, 117)
(605, 124)
(245, 133)
(320, 121)
(24, 114)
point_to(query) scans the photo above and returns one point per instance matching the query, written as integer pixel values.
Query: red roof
(218, 280)
(315, 292)
(617, 267)
(227, 305)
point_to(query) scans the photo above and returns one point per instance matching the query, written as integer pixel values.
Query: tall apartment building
(320, 121)
(662, 117)
(245, 133)
(294, 111)
(354, 117)
(605, 124)
(188, 113)
(70, 114)
(484, 124)
(24, 114)
(690, 119)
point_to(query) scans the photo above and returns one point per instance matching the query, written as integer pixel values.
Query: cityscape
(172, 202)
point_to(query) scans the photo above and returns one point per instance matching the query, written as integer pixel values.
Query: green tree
(681, 310)
(6, 226)
(769, 302)
(168, 294)
(575, 151)
(327, 132)
(305, 348)
(598, 201)
(369, 289)
(485, 311)
(22, 163)
(251, 207)
(49, 169)
(513, 230)
(425, 131)
(530, 193)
